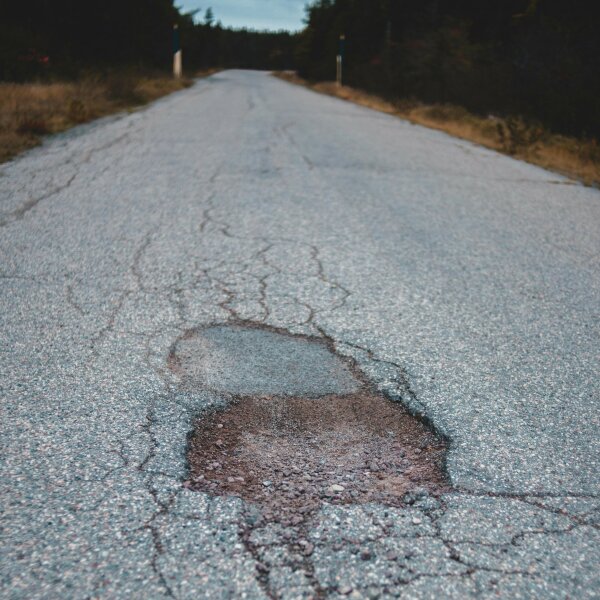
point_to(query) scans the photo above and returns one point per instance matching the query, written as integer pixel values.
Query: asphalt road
(463, 282)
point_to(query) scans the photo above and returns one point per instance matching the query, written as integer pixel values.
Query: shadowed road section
(461, 282)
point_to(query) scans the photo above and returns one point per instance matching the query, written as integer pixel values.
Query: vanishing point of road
(461, 282)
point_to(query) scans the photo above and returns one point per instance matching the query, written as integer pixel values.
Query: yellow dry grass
(576, 158)
(30, 110)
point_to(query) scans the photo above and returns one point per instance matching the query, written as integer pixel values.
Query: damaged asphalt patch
(302, 427)
(288, 454)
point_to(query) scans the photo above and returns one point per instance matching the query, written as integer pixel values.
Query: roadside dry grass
(576, 158)
(30, 110)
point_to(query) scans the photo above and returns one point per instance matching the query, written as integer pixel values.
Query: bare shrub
(446, 112)
(77, 112)
(123, 89)
(589, 151)
(515, 134)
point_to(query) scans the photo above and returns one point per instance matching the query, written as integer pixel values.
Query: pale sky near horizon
(253, 14)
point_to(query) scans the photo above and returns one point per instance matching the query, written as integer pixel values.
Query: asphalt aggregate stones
(170, 276)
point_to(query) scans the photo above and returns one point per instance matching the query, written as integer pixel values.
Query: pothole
(303, 427)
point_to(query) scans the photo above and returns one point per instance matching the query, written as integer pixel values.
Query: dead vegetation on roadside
(575, 158)
(30, 110)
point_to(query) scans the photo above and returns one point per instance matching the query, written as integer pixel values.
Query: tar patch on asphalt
(303, 426)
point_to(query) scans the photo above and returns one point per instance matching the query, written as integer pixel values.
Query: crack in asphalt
(134, 270)
(76, 161)
(20, 212)
(163, 507)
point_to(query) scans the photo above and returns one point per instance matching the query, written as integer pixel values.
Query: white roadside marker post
(340, 61)
(177, 62)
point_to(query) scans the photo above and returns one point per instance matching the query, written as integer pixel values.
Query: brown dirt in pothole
(287, 455)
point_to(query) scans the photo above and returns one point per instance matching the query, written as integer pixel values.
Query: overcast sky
(254, 14)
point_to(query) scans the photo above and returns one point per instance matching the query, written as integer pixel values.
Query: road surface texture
(461, 282)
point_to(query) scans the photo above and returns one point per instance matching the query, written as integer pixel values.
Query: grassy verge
(575, 158)
(30, 110)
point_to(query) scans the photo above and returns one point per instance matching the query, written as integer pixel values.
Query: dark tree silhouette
(209, 17)
(537, 58)
(63, 38)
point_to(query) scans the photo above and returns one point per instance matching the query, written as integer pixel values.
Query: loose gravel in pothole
(289, 453)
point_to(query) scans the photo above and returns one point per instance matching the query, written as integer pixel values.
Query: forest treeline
(535, 58)
(65, 38)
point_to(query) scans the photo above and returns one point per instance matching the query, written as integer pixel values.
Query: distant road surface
(463, 282)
